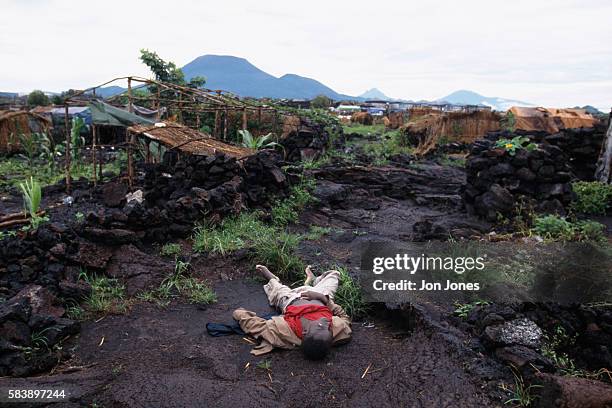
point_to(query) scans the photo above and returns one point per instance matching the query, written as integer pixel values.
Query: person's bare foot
(309, 276)
(265, 272)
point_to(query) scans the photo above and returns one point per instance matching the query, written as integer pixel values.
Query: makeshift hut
(183, 139)
(551, 120)
(430, 129)
(15, 123)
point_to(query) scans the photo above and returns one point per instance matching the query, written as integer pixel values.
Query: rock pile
(526, 336)
(36, 283)
(498, 182)
(580, 146)
(182, 191)
(309, 140)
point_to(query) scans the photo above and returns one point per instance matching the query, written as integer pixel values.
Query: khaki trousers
(280, 296)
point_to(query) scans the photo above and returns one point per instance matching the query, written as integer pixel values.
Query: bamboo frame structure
(175, 98)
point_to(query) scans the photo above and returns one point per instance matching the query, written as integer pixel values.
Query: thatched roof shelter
(14, 123)
(462, 127)
(551, 120)
(187, 140)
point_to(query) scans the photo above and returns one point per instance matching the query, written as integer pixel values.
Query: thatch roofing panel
(185, 139)
(551, 120)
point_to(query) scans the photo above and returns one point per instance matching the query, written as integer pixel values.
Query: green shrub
(516, 143)
(592, 197)
(553, 227)
(589, 230)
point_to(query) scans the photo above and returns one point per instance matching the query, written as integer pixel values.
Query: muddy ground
(164, 358)
(156, 356)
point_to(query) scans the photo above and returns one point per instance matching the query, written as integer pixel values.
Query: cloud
(554, 54)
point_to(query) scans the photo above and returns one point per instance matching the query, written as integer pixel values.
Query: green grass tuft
(349, 295)
(107, 295)
(170, 249)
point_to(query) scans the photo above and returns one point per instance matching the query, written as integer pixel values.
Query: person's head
(316, 339)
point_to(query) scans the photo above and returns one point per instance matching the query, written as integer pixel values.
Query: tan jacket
(277, 333)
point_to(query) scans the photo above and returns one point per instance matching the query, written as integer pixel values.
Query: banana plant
(257, 143)
(32, 196)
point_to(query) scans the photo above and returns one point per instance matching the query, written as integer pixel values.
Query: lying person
(309, 319)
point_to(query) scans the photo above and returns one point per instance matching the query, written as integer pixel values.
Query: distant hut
(15, 123)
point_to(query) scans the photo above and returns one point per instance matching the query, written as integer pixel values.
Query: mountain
(464, 97)
(590, 109)
(239, 76)
(373, 94)
(107, 91)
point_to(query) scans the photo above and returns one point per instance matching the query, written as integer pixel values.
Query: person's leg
(327, 283)
(279, 295)
(309, 276)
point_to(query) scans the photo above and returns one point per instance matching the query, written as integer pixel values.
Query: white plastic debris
(135, 196)
(160, 124)
(68, 200)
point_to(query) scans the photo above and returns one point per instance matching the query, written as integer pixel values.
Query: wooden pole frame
(130, 169)
(93, 154)
(225, 125)
(68, 152)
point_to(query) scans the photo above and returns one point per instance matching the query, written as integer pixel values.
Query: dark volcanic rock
(572, 392)
(113, 194)
(497, 182)
(522, 332)
(138, 270)
(91, 255)
(111, 236)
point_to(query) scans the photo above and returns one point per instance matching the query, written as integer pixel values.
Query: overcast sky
(552, 53)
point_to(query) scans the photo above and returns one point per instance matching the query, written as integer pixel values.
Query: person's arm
(312, 295)
(337, 310)
(341, 323)
(250, 322)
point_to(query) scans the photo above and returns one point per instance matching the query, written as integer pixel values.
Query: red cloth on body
(310, 311)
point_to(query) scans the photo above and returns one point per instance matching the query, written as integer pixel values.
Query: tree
(321, 102)
(38, 98)
(57, 100)
(168, 71)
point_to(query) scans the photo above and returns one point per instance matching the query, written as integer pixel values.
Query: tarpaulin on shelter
(105, 114)
(551, 120)
(149, 113)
